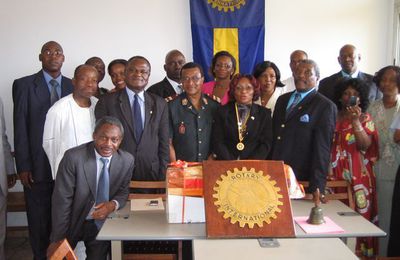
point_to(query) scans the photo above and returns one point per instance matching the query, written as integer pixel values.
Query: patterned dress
(355, 166)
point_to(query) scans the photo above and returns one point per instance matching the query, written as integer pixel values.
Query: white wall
(123, 28)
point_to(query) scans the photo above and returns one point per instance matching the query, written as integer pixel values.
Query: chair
(16, 203)
(63, 250)
(151, 250)
(148, 185)
(343, 194)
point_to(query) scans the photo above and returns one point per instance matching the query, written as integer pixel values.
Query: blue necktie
(53, 92)
(296, 100)
(103, 188)
(137, 118)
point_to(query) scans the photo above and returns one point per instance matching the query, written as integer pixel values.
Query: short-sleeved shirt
(190, 129)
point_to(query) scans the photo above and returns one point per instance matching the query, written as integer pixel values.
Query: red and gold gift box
(185, 192)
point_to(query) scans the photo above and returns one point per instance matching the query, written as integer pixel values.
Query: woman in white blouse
(269, 77)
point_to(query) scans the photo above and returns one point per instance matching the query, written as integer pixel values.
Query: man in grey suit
(33, 96)
(7, 178)
(145, 119)
(92, 182)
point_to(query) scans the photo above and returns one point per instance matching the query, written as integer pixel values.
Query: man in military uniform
(190, 118)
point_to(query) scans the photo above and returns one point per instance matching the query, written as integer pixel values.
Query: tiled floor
(17, 246)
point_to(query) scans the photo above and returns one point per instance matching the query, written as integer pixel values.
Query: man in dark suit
(170, 86)
(92, 182)
(33, 95)
(349, 59)
(145, 119)
(303, 126)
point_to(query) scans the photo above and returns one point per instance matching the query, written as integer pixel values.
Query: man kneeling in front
(92, 182)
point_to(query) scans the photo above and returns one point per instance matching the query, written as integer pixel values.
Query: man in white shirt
(70, 121)
(295, 58)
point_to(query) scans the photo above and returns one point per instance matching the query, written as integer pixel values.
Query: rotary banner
(236, 26)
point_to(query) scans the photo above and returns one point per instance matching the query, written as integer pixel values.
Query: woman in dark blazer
(242, 129)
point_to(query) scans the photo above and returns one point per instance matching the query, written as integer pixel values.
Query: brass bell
(316, 215)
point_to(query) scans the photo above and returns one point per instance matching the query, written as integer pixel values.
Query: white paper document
(147, 204)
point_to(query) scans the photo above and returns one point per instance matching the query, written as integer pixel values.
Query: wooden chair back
(150, 255)
(344, 194)
(148, 185)
(63, 250)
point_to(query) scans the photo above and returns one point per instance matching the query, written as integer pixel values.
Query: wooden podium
(246, 199)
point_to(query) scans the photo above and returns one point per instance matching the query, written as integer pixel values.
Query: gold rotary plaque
(247, 197)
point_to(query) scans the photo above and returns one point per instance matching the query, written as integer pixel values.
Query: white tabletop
(353, 225)
(299, 249)
(149, 225)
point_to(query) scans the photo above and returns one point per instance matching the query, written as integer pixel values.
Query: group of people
(77, 146)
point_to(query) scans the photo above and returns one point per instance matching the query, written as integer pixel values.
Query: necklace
(241, 128)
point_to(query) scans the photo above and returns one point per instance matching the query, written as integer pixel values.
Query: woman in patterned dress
(354, 151)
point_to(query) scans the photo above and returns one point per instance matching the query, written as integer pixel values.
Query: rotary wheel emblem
(227, 5)
(247, 197)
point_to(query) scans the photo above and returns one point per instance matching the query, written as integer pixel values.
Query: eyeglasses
(223, 66)
(52, 53)
(195, 79)
(243, 88)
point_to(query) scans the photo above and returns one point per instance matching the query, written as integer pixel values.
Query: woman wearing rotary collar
(242, 129)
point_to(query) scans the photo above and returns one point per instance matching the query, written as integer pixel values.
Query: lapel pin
(151, 112)
(252, 117)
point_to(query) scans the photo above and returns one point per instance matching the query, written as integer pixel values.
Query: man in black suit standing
(349, 59)
(170, 86)
(92, 182)
(303, 127)
(145, 119)
(33, 95)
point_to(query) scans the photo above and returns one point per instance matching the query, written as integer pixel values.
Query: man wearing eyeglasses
(145, 119)
(33, 96)
(190, 118)
(170, 86)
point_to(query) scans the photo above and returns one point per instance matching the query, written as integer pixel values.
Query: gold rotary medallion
(247, 197)
(240, 146)
(226, 5)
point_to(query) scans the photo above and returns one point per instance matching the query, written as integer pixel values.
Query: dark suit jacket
(162, 89)
(31, 98)
(75, 188)
(303, 138)
(152, 151)
(327, 86)
(257, 140)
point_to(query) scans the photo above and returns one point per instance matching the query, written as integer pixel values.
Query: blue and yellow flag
(236, 26)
